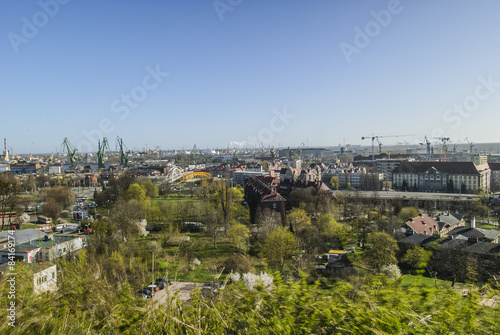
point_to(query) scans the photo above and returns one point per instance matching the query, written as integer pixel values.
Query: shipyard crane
(123, 154)
(71, 151)
(471, 145)
(427, 143)
(445, 144)
(455, 146)
(100, 152)
(374, 137)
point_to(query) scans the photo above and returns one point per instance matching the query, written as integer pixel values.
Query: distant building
(4, 168)
(261, 194)
(495, 176)
(240, 176)
(447, 177)
(44, 278)
(55, 169)
(479, 159)
(356, 177)
(32, 246)
(24, 167)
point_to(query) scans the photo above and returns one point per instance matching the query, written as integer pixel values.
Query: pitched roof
(448, 167)
(449, 218)
(423, 223)
(484, 248)
(494, 166)
(454, 244)
(264, 186)
(468, 232)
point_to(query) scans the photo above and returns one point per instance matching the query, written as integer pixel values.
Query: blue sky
(172, 74)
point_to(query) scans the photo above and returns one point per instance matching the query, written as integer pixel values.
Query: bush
(238, 263)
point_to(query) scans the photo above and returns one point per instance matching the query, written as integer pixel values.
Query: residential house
(475, 234)
(422, 224)
(448, 221)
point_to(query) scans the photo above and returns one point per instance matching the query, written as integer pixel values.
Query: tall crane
(455, 146)
(471, 145)
(428, 145)
(376, 137)
(100, 152)
(123, 154)
(379, 146)
(71, 151)
(445, 144)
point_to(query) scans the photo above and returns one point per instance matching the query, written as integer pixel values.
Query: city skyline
(245, 74)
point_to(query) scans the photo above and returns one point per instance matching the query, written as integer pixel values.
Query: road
(184, 289)
(410, 195)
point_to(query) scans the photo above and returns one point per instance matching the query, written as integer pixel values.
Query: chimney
(473, 222)
(271, 173)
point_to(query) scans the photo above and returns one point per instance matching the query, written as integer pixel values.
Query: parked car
(161, 284)
(145, 293)
(59, 226)
(153, 288)
(210, 289)
(166, 280)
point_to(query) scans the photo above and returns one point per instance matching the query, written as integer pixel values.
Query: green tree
(151, 189)
(125, 218)
(334, 182)
(239, 212)
(136, 192)
(239, 235)
(222, 199)
(8, 195)
(63, 195)
(407, 213)
(51, 208)
(332, 232)
(298, 219)
(417, 258)
(382, 250)
(214, 221)
(279, 247)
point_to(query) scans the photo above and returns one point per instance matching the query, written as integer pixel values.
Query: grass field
(175, 200)
(411, 280)
(207, 266)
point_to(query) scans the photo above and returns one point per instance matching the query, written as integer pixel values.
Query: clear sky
(172, 74)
